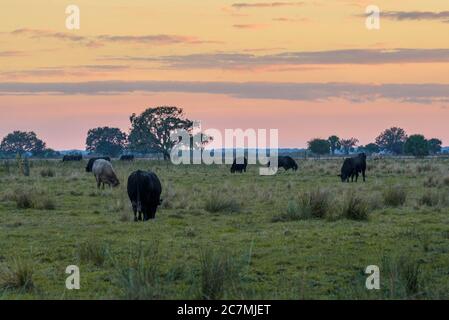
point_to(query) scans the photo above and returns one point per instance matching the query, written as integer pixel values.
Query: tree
(392, 140)
(319, 146)
(19, 142)
(151, 130)
(434, 145)
(417, 145)
(48, 154)
(371, 148)
(106, 141)
(348, 144)
(335, 144)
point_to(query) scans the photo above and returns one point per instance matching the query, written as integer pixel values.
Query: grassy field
(296, 235)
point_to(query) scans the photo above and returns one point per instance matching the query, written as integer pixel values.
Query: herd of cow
(144, 187)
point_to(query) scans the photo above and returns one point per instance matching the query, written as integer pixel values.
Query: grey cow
(104, 173)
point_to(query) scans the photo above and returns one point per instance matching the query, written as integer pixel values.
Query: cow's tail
(139, 202)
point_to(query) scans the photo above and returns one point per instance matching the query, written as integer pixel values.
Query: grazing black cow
(240, 166)
(352, 167)
(286, 162)
(72, 157)
(144, 191)
(92, 160)
(127, 157)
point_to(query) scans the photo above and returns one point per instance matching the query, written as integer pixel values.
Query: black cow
(144, 191)
(127, 157)
(286, 162)
(92, 160)
(72, 157)
(240, 167)
(352, 167)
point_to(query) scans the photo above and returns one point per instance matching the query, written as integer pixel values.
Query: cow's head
(115, 183)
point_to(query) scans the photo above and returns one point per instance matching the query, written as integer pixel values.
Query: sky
(310, 69)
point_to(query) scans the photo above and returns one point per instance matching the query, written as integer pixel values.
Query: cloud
(101, 40)
(354, 92)
(80, 70)
(11, 53)
(247, 60)
(284, 19)
(242, 5)
(416, 15)
(442, 16)
(249, 26)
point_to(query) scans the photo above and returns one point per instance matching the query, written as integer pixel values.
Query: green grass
(216, 236)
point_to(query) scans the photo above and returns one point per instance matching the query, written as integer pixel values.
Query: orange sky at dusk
(307, 68)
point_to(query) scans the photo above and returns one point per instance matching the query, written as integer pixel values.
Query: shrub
(18, 276)
(221, 203)
(395, 196)
(93, 252)
(355, 208)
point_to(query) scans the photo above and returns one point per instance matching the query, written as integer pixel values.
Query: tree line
(393, 141)
(150, 133)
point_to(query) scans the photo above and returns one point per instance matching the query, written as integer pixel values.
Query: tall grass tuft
(355, 208)
(23, 200)
(140, 278)
(395, 196)
(92, 251)
(221, 203)
(429, 199)
(217, 272)
(403, 276)
(47, 173)
(312, 204)
(18, 276)
(446, 181)
(33, 199)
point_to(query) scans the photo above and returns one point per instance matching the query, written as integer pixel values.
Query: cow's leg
(98, 182)
(363, 175)
(140, 216)
(153, 212)
(145, 215)
(135, 211)
(356, 176)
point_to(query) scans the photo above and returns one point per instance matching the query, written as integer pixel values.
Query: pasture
(296, 235)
